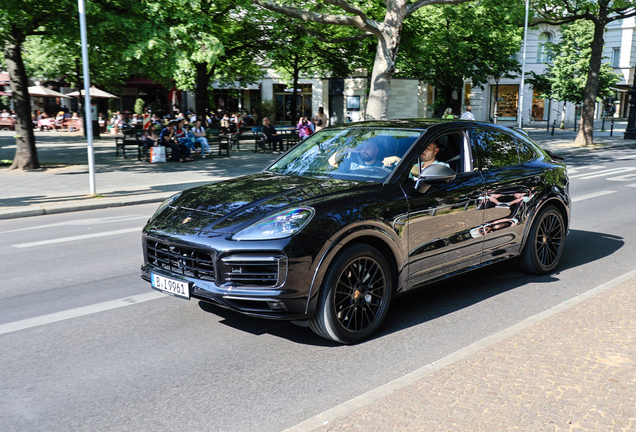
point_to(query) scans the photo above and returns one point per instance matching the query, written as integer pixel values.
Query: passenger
(427, 158)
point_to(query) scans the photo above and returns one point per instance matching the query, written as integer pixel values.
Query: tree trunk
(586, 131)
(378, 103)
(26, 156)
(203, 82)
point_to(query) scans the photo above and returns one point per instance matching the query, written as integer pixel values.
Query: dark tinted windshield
(356, 153)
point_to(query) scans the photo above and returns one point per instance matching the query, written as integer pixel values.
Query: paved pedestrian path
(573, 370)
(62, 184)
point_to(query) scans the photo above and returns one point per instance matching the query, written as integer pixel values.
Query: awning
(40, 91)
(94, 93)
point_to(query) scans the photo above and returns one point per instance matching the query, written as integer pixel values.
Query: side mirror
(436, 173)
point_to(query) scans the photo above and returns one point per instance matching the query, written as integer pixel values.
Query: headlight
(165, 204)
(279, 225)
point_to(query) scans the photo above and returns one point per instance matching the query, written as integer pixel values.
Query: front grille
(253, 270)
(181, 260)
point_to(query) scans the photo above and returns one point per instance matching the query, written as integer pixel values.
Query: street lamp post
(497, 78)
(630, 132)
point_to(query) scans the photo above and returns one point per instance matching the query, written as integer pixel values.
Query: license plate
(170, 286)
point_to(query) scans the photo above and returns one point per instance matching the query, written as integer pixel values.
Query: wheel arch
(557, 201)
(372, 236)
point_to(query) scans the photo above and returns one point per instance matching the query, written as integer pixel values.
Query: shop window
(467, 90)
(538, 106)
(283, 98)
(507, 97)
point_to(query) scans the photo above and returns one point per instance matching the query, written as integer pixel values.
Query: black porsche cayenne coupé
(357, 214)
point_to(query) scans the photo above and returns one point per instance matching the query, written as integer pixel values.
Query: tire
(355, 296)
(544, 246)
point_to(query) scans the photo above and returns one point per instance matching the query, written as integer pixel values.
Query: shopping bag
(157, 154)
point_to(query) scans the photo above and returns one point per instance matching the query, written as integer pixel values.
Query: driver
(367, 153)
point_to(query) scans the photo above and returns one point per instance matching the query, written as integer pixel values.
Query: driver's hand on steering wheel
(390, 161)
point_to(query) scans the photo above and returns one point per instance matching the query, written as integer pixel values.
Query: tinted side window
(494, 149)
(526, 153)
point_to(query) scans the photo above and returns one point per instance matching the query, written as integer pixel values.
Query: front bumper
(260, 283)
(279, 303)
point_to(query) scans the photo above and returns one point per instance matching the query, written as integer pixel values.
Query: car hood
(229, 206)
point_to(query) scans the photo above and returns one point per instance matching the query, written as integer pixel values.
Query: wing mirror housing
(432, 174)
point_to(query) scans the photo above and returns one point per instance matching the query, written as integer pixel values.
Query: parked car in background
(348, 219)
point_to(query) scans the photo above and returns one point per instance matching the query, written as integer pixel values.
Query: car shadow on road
(442, 298)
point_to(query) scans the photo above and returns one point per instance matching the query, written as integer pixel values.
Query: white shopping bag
(157, 154)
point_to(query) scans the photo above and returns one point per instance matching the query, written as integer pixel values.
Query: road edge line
(384, 390)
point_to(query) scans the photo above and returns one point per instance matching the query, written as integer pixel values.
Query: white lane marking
(78, 312)
(593, 195)
(83, 222)
(574, 169)
(626, 177)
(345, 408)
(75, 238)
(603, 173)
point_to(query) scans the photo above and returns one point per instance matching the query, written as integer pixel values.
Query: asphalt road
(85, 344)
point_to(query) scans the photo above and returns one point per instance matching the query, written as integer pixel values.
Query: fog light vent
(253, 270)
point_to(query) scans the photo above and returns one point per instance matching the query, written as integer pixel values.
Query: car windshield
(365, 154)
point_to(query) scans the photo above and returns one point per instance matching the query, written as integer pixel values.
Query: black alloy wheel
(355, 297)
(544, 246)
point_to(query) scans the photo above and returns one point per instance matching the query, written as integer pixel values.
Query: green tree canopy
(200, 41)
(599, 13)
(299, 51)
(565, 77)
(446, 45)
(382, 21)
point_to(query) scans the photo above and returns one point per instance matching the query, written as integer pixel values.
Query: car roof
(424, 123)
(406, 123)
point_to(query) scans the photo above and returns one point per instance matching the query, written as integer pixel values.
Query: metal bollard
(574, 123)
(603, 125)
(553, 126)
(612, 128)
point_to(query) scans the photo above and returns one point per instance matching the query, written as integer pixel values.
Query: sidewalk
(574, 370)
(62, 184)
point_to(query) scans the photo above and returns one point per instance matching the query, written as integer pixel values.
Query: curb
(76, 207)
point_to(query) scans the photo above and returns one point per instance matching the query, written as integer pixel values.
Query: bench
(260, 140)
(215, 138)
(130, 137)
(227, 142)
(7, 123)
